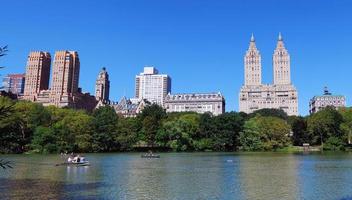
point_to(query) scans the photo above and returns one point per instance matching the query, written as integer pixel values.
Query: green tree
(265, 133)
(275, 132)
(346, 125)
(10, 136)
(29, 116)
(299, 130)
(227, 130)
(151, 118)
(127, 136)
(105, 122)
(324, 124)
(270, 112)
(250, 137)
(44, 140)
(176, 135)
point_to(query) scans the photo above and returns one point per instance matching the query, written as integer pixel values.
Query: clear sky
(199, 43)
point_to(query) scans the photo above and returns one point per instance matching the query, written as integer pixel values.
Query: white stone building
(319, 102)
(195, 102)
(152, 86)
(280, 95)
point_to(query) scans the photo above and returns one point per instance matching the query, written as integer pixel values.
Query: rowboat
(77, 161)
(77, 164)
(150, 156)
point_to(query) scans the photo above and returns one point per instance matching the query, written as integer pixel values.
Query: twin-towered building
(64, 90)
(255, 95)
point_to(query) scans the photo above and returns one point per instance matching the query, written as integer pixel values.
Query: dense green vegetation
(30, 127)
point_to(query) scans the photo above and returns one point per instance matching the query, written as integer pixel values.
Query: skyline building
(64, 90)
(253, 65)
(14, 83)
(196, 102)
(280, 95)
(65, 78)
(102, 86)
(281, 64)
(320, 102)
(37, 74)
(152, 86)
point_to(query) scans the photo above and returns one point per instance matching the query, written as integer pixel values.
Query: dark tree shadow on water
(47, 189)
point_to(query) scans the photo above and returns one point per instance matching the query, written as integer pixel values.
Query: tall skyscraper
(152, 86)
(281, 62)
(14, 83)
(253, 65)
(280, 95)
(37, 74)
(65, 77)
(102, 86)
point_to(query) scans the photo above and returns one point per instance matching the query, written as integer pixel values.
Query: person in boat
(150, 153)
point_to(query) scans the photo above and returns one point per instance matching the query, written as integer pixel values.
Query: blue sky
(199, 43)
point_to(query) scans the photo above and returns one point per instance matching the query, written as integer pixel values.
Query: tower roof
(252, 38)
(280, 37)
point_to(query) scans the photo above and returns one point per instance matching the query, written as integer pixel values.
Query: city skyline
(201, 51)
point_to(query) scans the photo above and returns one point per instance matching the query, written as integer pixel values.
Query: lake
(181, 176)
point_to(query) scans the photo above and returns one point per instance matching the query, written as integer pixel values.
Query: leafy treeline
(26, 126)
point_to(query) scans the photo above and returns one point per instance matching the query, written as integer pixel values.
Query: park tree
(44, 140)
(346, 125)
(206, 125)
(227, 130)
(270, 112)
(265, 133)
(10, 136)
(299, 130)
(104, 122)
(324, 124)
(127, 133)
(151, 118)
(29, 116)
(250, 137)
(176, 134)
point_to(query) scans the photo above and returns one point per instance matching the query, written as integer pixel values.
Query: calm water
(181, 176)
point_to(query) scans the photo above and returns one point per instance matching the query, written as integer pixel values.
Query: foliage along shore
(30, 127)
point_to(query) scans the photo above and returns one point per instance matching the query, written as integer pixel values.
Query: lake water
(181, 176)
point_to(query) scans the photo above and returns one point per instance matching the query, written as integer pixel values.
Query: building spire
(252, 38)
(280, 36)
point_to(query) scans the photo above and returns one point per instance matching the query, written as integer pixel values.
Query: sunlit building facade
(255, 95)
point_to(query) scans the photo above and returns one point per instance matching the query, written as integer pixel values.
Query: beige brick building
(64, 90)
(280, 95)
(37, 74)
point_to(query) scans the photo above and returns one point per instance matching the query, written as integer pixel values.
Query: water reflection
(181, 176)
(269, 176)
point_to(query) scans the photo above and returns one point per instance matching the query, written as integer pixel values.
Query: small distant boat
(150, 156)
(77, 161)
